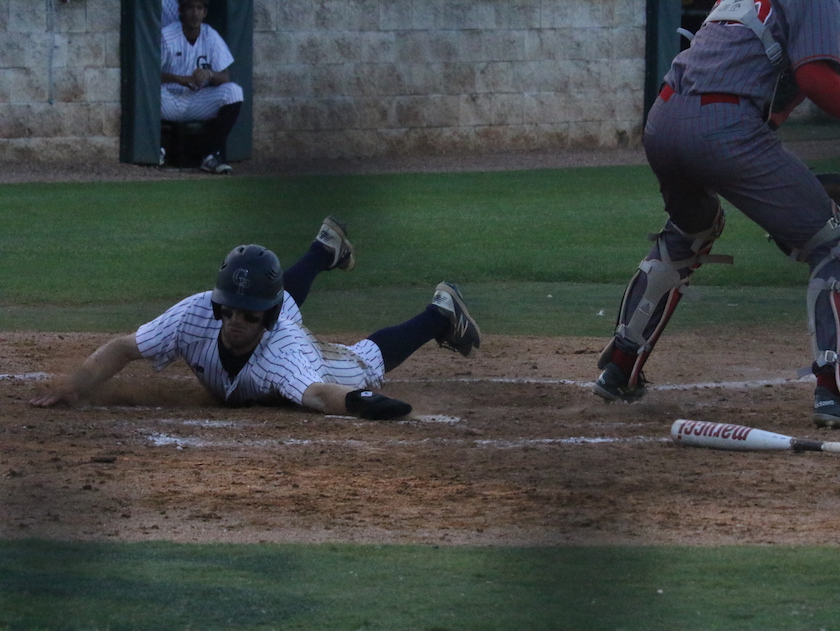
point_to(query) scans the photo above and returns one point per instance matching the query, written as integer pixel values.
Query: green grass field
(537, 252)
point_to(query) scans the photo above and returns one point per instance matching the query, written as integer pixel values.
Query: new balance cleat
(214, 164)
(463, 334)
(612, 385)
(333, 236)
(826, 408)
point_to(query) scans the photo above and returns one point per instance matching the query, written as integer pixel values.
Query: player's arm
(820, 82)
(103, 363)
(331, 398)
(218, 78)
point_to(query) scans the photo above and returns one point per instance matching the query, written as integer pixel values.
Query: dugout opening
(140, 122)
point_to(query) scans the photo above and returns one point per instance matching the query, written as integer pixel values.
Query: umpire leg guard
(649, 301)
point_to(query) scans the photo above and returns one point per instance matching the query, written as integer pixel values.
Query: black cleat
(463, 334)
(612, 386)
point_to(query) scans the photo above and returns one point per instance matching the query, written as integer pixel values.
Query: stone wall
(352, 78)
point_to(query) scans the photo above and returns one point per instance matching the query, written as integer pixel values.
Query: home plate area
(510, 448)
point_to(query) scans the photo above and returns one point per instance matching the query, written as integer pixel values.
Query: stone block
(69, 17)
(102, 85)
(475, 109)
(378, 47)
(265, 16)
(27, 16)
(518, 14)
(395, 15)
(26, 50)
(506, 109)
(69, 85)
(441, 111)
(271, 49)
(494, 76)
(85, 49)
(504, 45)
(458, 78)
(428, 15)
(101, 16)
(296, 15)
(28, 85)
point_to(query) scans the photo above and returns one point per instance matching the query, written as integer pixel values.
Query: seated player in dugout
(195, 81)
(246, 343)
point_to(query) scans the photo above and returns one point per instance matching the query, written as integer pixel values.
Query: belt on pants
(705, 99)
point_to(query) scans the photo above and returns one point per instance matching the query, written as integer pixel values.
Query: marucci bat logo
(713, 430)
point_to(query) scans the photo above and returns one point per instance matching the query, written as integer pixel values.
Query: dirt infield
(509, 448)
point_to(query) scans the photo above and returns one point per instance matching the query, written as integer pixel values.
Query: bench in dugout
(184, 143)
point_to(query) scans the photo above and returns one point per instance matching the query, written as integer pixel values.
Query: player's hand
(200, 77)
(54, 397)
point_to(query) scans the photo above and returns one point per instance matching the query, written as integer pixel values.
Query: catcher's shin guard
(657, 287)
(823, 302)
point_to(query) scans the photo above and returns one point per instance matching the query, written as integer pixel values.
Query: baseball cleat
(214, 164)
(463, 334)
(826, 408)
(333, 236)
(612, 386)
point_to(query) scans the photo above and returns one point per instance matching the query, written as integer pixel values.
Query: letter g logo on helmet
(240, 279)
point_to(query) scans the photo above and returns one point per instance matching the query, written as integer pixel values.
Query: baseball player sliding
(195, 82)
(246, 343)
(709, 134)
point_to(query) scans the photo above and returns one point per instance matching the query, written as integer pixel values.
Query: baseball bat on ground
(741, 438)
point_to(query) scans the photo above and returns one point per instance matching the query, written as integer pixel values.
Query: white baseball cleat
(333, 236)
(463, 334)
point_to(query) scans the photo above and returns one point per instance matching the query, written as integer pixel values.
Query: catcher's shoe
(612, 385)
(333, 236)
(826, 408)
(463, 334)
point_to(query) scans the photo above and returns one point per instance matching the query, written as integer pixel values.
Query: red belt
(705, 99)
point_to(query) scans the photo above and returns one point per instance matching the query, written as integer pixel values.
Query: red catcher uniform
(711, 133)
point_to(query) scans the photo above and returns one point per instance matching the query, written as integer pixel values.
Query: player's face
(193, 13)
(241, 330)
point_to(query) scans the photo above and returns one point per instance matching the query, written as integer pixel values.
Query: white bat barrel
(726, 436)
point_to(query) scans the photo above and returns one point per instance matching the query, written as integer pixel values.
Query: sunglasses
(248, 316)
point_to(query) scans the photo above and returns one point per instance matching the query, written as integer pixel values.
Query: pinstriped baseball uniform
(707, 135)
(698, 150)
(178, 56)
(169, 13)
(287, 361)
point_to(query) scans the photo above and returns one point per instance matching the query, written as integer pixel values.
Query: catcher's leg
(823, 302)
(649, 301)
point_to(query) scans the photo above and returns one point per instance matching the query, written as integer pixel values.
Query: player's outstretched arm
(103, 363)
(331, 398)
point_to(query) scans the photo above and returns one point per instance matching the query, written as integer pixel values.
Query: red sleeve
(820, 83)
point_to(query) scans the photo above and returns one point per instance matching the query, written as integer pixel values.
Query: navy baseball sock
(298, 279)
(220, 127)
(398, 342)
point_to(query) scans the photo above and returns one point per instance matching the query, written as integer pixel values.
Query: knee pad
(657, 287)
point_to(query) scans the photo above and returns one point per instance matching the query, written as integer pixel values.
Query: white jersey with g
(179, 57)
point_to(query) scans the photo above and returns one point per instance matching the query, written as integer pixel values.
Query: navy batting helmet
(250, 279)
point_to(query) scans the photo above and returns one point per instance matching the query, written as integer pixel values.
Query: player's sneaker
(463, 334)
(826, 408)
(612, 385)
(333, 236)
(214, 164)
